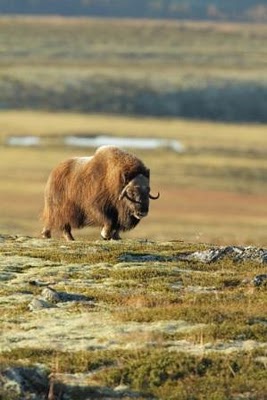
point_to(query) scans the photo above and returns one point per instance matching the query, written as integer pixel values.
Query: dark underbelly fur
(80, 217)
(126, 223)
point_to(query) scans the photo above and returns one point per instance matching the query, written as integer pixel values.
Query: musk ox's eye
(137, 197)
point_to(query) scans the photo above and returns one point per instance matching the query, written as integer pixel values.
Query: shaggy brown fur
(110, 189)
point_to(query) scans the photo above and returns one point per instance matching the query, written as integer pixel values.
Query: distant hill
(227, 10)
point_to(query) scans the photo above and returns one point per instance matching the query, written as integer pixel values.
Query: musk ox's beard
(129, 222)
(137, 214)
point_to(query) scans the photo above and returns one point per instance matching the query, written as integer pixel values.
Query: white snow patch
(23, 141)
(138, 143)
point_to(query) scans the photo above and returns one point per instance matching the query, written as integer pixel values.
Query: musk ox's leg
(66, 231)
(46, 233)
(108, 233)
(116, 235)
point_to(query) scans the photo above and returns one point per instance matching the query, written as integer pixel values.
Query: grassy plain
(214, 192)
(95, 43)
(199, 70)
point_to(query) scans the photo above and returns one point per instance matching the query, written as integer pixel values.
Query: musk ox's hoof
(68, 237)
(105, 236)
(46, 233)
(106, 233)
(116, 236)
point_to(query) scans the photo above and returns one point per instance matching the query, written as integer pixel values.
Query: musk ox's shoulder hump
(111, 151)
(114, 151)
(122, 160)
(82, 160)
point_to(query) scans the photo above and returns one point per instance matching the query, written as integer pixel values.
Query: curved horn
(154, 197)
(123, 192)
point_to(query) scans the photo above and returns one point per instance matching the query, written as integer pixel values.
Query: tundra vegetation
(142, 319)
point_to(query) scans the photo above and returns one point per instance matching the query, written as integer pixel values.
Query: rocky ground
(131, 319)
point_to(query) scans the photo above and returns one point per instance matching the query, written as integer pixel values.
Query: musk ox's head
(137, 194)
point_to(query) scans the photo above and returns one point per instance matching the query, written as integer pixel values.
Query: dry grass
(193, 134)
(214, 192)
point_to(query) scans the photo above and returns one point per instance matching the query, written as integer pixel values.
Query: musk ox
(110, 189)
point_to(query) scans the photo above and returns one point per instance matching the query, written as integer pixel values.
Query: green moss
(168, 375)
(160, 373)
(218, 295)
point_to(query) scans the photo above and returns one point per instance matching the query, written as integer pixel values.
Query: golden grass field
(213, 192)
